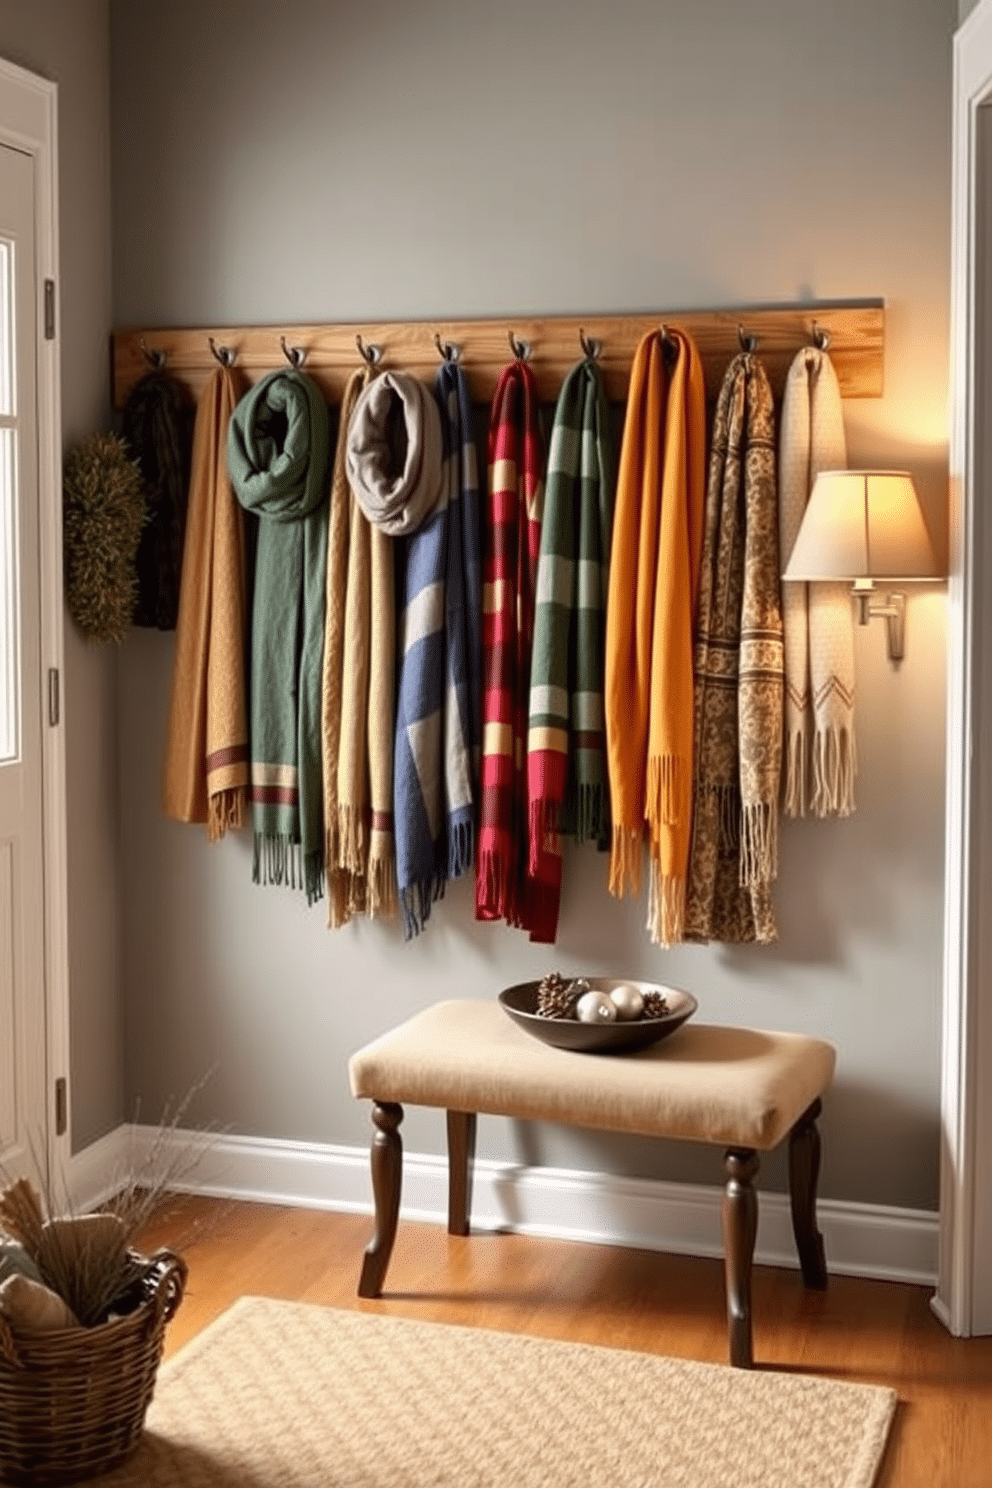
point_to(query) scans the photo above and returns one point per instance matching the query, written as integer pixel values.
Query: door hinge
(49, 309)
(54, 710)
(61, 1107)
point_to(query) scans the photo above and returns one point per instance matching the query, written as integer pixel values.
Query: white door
(24, 1138)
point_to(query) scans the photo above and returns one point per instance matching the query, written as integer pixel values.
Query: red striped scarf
(512, 544)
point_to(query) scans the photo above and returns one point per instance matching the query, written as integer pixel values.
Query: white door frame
(964, 1286)
(29, 122)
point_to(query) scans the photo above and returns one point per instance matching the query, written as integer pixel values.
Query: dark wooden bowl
(520, 1002)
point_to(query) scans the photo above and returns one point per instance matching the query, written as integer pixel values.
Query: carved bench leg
(804, 1170)
(461, 1155)
(740, 1226)
(387, 1173)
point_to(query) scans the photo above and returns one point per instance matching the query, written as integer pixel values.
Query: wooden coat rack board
(329, 353)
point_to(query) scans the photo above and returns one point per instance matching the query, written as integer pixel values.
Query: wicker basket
(73, 1402)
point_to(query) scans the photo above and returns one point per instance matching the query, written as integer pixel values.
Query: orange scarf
(654, 579)
(206, 760)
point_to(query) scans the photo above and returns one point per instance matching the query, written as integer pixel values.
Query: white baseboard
(869, 1240)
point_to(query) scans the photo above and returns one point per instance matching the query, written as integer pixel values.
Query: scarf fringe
(669, 792)
(276, 860)
(491, 876)
(353, 847)
(417, 902)
(338, 907)
(759, 844)
(592, 814)
(728, 816)
(357, 888)
(728, 813)
(795, 799)
(666, 907)
(382, 896)
(225, 812)
(313, 875)
(543, 836)
(835, 765)
(625, 862)
(461, 847)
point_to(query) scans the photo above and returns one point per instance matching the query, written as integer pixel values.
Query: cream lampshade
(865, 525)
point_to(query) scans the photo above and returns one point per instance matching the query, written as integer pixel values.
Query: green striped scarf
(278, 449)
(566, 764)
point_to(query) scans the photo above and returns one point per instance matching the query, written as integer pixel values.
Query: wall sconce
(865, 525)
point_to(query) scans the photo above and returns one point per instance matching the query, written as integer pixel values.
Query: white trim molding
(861, 1239)
(964, 1289)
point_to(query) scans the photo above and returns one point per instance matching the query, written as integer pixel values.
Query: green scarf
(278, 453)
(566, 763)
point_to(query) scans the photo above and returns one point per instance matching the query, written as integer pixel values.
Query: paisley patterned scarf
(739, 673)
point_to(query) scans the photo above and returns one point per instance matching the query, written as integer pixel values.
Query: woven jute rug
(288, 1395)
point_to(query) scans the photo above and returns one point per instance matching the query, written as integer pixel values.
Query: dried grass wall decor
(103, 514)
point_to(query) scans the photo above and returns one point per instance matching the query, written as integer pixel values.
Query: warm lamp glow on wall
(865, 525)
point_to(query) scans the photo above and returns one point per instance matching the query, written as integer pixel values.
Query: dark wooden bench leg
(387, 1174)
(804, 1171)
(461, 1155)
(740, 1226)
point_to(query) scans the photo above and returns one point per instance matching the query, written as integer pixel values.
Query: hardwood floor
(877, 1332)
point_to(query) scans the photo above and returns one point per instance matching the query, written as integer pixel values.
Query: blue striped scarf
(438, 706)
(463, 595)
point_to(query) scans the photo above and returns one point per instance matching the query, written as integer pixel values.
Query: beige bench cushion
(741, 1087)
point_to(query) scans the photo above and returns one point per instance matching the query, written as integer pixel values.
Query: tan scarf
(342, 900)
(359, 665)
(654, 576)
(738, 690)
(820, 752)
(206, 758)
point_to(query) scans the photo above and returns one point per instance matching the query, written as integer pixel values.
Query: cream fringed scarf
(381, 899)
(738, 697)
(820, 754)
(359, 663)
(206, 760)
(341, 899)
(366, 838)
(654, 576)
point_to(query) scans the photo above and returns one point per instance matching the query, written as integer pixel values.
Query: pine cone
(556, 998)
(655, 1005)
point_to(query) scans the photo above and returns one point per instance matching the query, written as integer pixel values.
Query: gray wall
(69, 41)
(340, 162)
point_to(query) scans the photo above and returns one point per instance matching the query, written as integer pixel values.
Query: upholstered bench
(741, 1089)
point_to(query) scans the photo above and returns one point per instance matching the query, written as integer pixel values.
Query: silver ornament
(595, 1007)
(628, 1002)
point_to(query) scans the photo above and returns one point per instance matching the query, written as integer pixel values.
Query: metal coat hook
(821, 338)
(295, 355)
(446, 350)
(669, 346)
(370, 354)
(591, 348)
(154, 355)
(746, 341)
(520, 349)
(224, 354)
